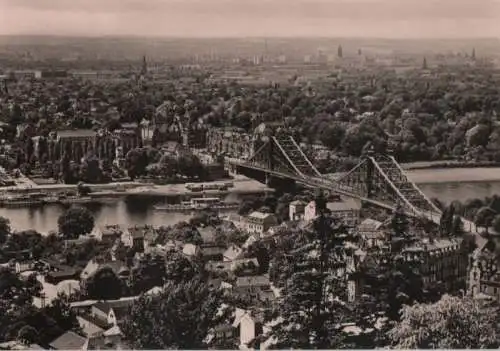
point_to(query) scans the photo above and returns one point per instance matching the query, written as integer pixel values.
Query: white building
(259, 222)
(296, 210)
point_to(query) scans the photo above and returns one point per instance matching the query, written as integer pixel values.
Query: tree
(399, 223)
(180, 317)
(392, 281)
(446, 221)
(484, 217)
(59, 310)
(136, 162)
(149, 273)
(496, 223)
(90, 170)
(261, 253)
(82, 189)
(310, 307)
(27, 335)
(178, 268)
(457, 226)
(75, 221)
(332, 136)
(4, 229)
(103, 285)
(450, 323)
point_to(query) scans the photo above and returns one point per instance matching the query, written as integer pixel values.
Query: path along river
(445, 184)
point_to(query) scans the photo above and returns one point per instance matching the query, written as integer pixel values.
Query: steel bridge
(377, 179)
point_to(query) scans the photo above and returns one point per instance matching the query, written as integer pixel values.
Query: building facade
(483, 274)
(441, 260)
(231, 142)
(258, 222)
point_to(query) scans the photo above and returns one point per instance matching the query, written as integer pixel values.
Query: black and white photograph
(249, 174)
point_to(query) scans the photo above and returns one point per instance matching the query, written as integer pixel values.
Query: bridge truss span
(377, 178)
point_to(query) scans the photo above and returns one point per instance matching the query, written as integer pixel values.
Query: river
(445, 184)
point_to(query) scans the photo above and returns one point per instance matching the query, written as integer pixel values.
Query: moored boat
(197, 204)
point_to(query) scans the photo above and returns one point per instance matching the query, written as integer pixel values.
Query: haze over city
(252, 18)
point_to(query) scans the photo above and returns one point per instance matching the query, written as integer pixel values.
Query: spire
(473, 53)
(424, 64)
(144, 66)
(339, 51)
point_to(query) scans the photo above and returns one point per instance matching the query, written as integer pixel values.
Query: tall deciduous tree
(178, 318)
(103, 285)
(75, 222)
(451, 323)
(484, 217)
(147, 274)
(446, 221)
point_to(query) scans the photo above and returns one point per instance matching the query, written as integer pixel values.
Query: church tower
(144, 69)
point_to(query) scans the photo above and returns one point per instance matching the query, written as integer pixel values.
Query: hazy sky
(228, 18)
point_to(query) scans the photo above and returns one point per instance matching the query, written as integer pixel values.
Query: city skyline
(258, 18)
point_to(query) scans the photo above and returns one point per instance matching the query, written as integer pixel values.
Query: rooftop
(344, 205)
(120, 307)
(256, 281)
(435, 245)
(76, 133)
(259, 215)
(369, 225)
(68, 341)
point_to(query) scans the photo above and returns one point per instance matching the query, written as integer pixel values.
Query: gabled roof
(113, 331)
(369, 225)
(119, 307)
(190, 250)
(103, 306)
(250, 241)
(207, 233)
(68, 341)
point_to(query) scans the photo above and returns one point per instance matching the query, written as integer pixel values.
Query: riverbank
(454, 175)
(242, 185)
(451, 175)
(448, 164)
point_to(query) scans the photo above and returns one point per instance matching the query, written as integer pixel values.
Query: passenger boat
(197, 204)
(199, 187)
